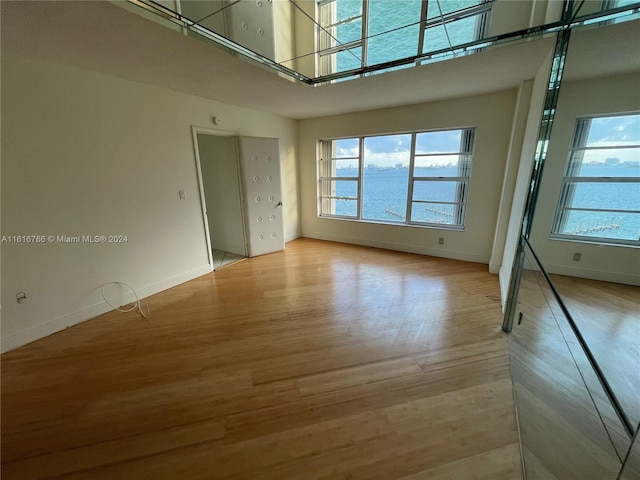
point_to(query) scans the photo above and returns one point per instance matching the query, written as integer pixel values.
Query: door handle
(279, 204)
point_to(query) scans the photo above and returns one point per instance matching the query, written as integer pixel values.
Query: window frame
(570, 181)
(326, 173)
(325, 63)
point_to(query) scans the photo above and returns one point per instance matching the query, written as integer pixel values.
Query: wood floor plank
(568, 428)
(325, 361)
(357, 376)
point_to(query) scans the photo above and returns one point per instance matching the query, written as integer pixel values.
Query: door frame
(195, 130)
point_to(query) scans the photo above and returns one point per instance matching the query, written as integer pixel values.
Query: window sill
(607, 242)
(430, 226)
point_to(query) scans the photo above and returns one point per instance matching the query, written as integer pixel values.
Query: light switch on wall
(182, 194)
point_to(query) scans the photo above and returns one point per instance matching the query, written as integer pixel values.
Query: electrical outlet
(21, 297)
(577, 256)
(441, 241)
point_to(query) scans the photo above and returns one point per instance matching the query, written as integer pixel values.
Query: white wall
(524, 164)
(491, 115)
(219, 166)
(518, 128)
(601, 262)
(196, 10)
(305, 38)
(283, 32)
(89, 154)
(251, 25)
(508, 16)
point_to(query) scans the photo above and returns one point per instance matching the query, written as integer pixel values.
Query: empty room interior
(320, 239)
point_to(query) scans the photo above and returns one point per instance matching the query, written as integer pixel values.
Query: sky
(610, 131)
(390, 150)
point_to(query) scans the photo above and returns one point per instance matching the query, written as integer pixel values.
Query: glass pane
(386, 177)
(623, 3)
(385, 16)
(438, 213)
(344, 195)
(611, 131)
(348, 147)
(621, 226)
(447, 141)
(347, 59)
(341, 34)
(462, 31)
(341, 207)
(435, 38)
(610, 195)
(393, 45)
(435, 191)
(561, 427)
(609, 162)
(340, 188)
(341, 167)
(606, 315)
(348, 32)
(339, 10)
(631, 468)
(442, 166)
(348, 9)
(457, 33)
(448, 6)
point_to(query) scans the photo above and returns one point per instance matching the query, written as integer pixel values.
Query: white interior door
(260, 161)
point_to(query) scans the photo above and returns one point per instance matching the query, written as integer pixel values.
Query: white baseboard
(66, 321)
(613, 277)
(401, 247)
(603, 276)
(292, 235)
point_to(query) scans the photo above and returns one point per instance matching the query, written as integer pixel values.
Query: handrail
(585, 348)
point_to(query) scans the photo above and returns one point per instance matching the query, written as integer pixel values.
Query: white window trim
(324, 55)
(563, 205)
(462, 189)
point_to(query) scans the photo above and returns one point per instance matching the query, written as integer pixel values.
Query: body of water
(385, 199)
(385, 190)
(384, 193)
(393, 30)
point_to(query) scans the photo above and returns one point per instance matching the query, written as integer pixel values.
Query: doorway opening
(222, 197)
(241, 195)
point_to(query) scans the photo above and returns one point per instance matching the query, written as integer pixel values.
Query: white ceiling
(103, 37)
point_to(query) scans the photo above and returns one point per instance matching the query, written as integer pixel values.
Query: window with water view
(600, 196)
(419, 178)
(357, 33)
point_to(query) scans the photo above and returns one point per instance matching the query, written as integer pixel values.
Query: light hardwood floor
(568, 427)
(326, 361)
(608, 315)
(223, 259)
